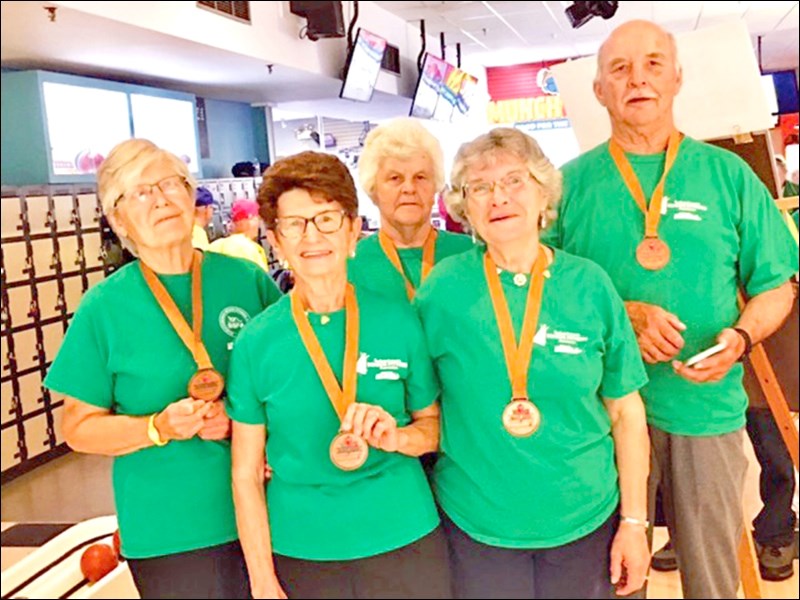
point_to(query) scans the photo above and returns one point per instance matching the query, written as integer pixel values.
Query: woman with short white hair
(544, 451)
(142, 369)
(402, 169)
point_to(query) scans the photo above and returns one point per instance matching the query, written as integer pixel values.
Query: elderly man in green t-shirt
(680, 226)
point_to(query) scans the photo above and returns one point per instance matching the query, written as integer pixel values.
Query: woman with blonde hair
(544, 452)
(142, 369)
(402, 170)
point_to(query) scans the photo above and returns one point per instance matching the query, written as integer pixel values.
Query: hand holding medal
(372, 423)
(207, 383)
(181, 420)
(348, 451)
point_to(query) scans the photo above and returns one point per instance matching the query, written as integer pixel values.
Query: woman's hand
(216, 424)
(182, 420)
(630, 558)
(372, 423)
(267, 586)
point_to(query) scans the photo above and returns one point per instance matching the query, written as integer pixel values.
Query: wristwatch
(152, 432)
(748, 342)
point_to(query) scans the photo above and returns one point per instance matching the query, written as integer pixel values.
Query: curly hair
(315, 172)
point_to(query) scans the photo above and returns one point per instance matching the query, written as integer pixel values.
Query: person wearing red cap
(244, 233)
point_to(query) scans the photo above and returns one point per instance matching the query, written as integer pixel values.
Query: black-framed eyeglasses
(510, 184)
(170, 187)
(294, 227)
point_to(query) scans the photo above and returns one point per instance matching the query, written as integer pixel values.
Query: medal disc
(521, 418)
(206, 384)
(348, 451)
(653, 254)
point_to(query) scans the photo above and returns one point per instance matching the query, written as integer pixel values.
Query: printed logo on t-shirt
(683, 210)
(566, 342)
(387, 367)
(232, 319)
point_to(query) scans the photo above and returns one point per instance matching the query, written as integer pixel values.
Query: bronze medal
(653, 253)
(521, 418)
(348, 451)
(206, 384)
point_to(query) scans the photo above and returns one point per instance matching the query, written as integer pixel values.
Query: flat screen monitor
(363, 67)
(443, 91)
(169, 123)
(83, 125)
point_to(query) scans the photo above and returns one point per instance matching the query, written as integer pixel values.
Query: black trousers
(774, 525)
(419, 570)
(579, 569)
(215, 572)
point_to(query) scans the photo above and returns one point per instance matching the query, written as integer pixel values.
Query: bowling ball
(97, 561)
(117, 543)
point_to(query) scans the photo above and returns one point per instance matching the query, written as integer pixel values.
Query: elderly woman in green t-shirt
(544, 454)
(401, 168)
(336, 382)
(141, 368)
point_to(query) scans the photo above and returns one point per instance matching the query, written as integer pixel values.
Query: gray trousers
(702, 483)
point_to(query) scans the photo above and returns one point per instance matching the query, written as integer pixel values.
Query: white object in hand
(706, 353)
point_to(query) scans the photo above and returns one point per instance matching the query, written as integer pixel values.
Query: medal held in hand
(652, 253)
(348, 451)
(521, 417)
(207, 383)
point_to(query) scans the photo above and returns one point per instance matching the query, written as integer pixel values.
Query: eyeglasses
(328, 221)
(170, 187)
(510, 184)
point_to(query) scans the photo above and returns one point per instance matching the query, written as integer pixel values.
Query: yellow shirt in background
(199, 238)
(241, 246)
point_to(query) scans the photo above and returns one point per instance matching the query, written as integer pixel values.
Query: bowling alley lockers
(51, 253)
(54, 249)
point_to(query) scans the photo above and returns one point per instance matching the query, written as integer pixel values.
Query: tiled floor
(78, 487)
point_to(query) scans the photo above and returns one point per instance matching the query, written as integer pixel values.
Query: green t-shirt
(372, 270)
(560, 484)
(722, 227)
(121, 353)
(317, 511)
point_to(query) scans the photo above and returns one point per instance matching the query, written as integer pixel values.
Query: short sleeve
(768, 254)
(422, 385)
(242, 402)
(81, 367)
(623, 370)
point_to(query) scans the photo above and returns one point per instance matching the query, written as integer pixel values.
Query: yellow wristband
(152, 432)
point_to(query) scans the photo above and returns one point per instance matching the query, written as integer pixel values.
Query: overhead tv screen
(363, 67)
(83, 125)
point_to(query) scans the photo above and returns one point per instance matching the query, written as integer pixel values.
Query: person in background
(543, 464)
(244, 169)
(204, 204)
(337, 385)
(788, 187)
(243, 239)
(680, 225)
(401, 169)
(141, 368)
